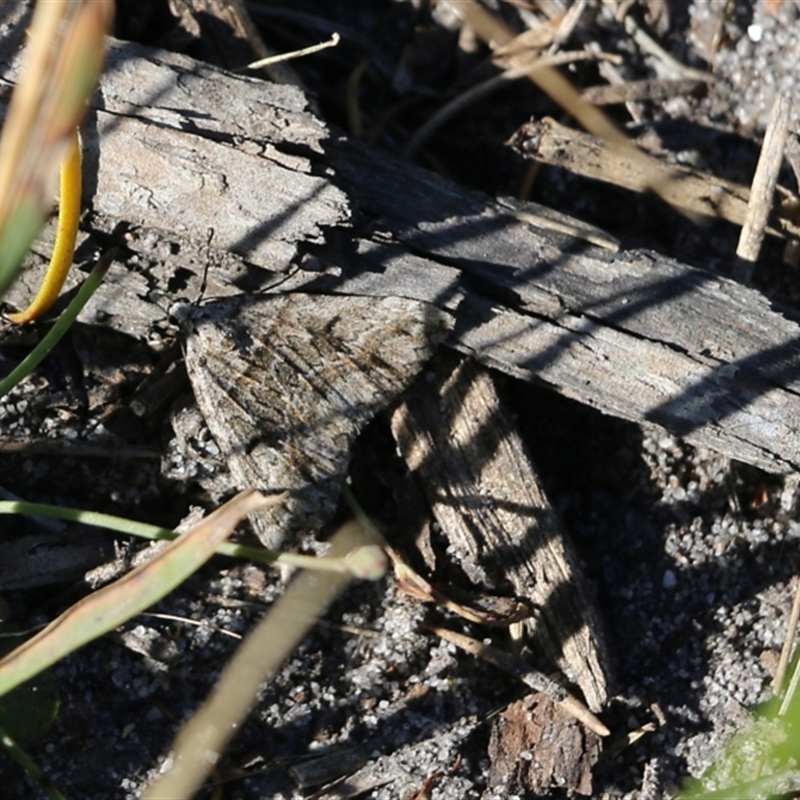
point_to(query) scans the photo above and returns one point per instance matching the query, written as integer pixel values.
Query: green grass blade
(367, 562)
(129, 527)
(62, 325)
(112, 605)
(29, 766)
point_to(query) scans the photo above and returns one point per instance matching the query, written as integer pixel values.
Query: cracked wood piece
(186, 186)
(723, 406)
(502, 531)
(386, 227)
(287, 382)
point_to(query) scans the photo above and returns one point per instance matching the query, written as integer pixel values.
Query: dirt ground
(693, 557)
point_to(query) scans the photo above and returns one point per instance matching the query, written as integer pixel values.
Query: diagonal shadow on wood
(632, 333)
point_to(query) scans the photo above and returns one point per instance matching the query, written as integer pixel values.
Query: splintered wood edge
(469, 392)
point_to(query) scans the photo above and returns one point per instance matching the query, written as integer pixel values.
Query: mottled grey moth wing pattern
(287, 382)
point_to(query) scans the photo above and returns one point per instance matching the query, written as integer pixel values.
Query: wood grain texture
(287, 382)
(186, 149)
(502, 532)
(721, 405)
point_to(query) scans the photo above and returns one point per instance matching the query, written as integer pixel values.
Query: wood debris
(501, 531)
(524, 299)
(552, 143)
(762, 189)
(536, 746)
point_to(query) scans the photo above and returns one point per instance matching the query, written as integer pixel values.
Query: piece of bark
(551, 143)
(535, 746)
(287, 382)
(500, 528)
(292, 204)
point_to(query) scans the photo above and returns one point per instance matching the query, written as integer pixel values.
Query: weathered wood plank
(186, 148)
(721, 405)
(551, 143)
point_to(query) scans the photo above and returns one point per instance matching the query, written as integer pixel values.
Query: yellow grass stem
(69, 209)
